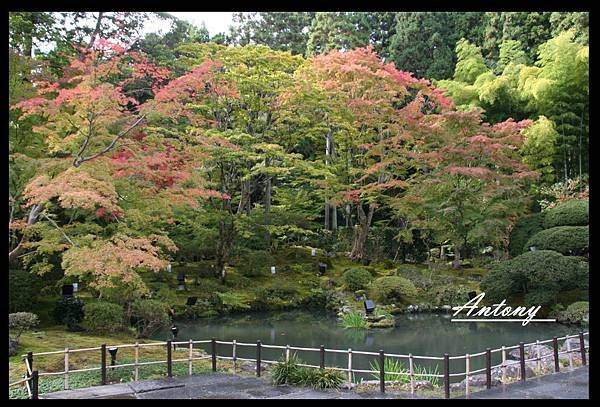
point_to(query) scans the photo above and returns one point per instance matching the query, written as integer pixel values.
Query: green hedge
(540, 276)
(393, 289)
(103, 317)
(522, 231)
(356, 278)
(568, 240)
(23, 289)
(569, 213)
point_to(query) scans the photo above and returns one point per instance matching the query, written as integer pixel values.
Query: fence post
(322, 357)
(538, 359)
(190, 356)
(213, 346)
(522, 357)
(488, 368)
(569, 352)
(169, 359)
(582, 347)
(556, 360)
(34, 385)
(66, 383)
(258, 358)
(136, 369)
(467, 368)
(382, 371)
(30, 363)
(411, 373)
(350, 365)
(103, 362)
(234, 355)
(446, 376)
(503, 364)
(287, 353)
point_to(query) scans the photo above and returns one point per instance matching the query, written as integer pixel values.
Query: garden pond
(420, 334)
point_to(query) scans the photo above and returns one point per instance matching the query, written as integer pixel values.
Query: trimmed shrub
(393, 289)
(522, 231)
(148, 316)
(69, 311)
(569, 213)
(568, 240)
(103, 317)
(356, 278)
(575, 313)
(451, 295)
(540, 275)
(20, 322)
(255, 263)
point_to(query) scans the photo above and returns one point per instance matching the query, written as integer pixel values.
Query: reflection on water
(419, 334)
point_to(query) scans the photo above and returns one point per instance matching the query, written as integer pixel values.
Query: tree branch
(79, 160)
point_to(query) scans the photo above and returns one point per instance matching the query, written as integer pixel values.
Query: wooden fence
(32, 376)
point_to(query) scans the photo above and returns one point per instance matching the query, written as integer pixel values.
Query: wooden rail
(32, 376)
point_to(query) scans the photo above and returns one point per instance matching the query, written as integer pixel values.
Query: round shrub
(569, 213)
(575, 313)
(69, 311)
(356, 278)
(18, 323)
(540, 275)
(451, 295)
(148, 316)
(568, 240)
(522, 231)
(393, 289)
(103, 317)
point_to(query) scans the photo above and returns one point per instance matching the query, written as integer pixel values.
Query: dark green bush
(255, 263)
(356, 278)
(575, 313)
(540, 275)
(23, 289)
(69, 311)
(522, 231)
(568, 240)
(149, 316)
(393, 289)
(569, 213)
(103, 317)
(451, 295)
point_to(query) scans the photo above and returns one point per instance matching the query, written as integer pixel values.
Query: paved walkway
(209, 386)
(569, 385)
(574, 384)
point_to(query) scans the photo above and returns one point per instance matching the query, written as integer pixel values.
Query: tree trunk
(361, 232)
(456, 261)
(334, 224)
(268, 192)
(31, 219)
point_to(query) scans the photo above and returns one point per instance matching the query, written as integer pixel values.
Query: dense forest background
(398, 137)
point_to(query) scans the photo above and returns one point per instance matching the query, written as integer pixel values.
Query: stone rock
(423, 385)
(373, 318)
(396, 310)
(531, 351)
(573, 343)
(481, 380)
(514, 371)
(385, 323)
(348, 386)
(251, 367)
(446, 308)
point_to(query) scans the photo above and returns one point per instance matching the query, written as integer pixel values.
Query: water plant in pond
(354, 320)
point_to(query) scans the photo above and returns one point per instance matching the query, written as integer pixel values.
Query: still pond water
(419, 334)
